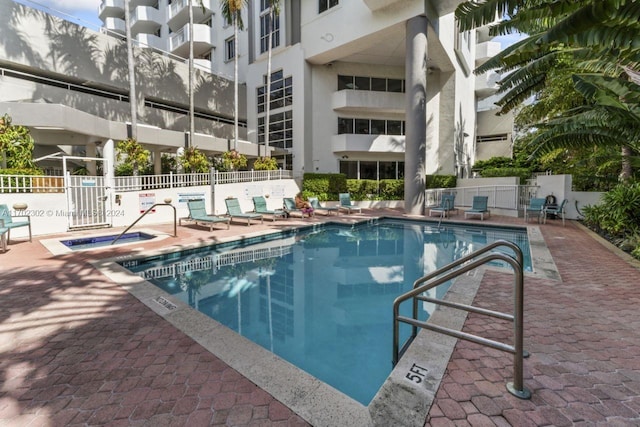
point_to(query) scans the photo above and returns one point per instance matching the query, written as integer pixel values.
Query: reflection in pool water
(321, 299)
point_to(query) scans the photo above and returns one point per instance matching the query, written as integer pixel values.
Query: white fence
(56, 184)
(511, 197)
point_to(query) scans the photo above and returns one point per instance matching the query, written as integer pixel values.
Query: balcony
(151, 3)
(178, 13)
(364, 101)
(374, 5)
(486, 50)
(145, 19)
(203, 40)
(115, 25)
(110, 8)
(367, 143)
(487, 84)
(150, 41)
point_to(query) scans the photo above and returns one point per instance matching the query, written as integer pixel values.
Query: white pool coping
(399, 402)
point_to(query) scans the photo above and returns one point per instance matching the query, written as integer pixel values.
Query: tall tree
(274, 13)
(599, 35)
(232, 13)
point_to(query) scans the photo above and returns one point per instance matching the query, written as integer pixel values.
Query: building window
(370, 126)
(281, 120)
(326, 4)
(264, 31)
(281, 92)
(376, 84)
(280, 130)
(358, 169)
(229, 49)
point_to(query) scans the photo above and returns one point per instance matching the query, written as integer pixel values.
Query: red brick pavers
(76, 349)
(583, 334)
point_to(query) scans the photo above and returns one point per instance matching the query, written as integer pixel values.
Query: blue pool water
(82, 243)
(321, 298)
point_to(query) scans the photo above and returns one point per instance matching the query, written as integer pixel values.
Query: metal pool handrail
(447, 273)
(175, 228)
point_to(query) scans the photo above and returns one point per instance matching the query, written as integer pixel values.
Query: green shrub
(522, 173)
(619, 212)
(440, 181)
(324, 186)
(391, 189)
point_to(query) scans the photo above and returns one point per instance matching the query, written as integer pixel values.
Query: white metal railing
(249, 176)
(170, 180)
(55, 184)
(31, 184)
(512, 197)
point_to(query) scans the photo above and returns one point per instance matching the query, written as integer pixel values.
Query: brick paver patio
(76, 349)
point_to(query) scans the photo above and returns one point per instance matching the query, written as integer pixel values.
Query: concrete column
(157, 162)
(90, 151)
(416, 117)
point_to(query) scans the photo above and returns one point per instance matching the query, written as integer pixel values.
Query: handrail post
(175, 228)
(446, 273)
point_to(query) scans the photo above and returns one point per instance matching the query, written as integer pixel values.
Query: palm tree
(232, 13)
(274, 13)
(598, 35)
(132, 80)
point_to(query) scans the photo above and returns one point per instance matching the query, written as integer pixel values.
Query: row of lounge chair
(198, 213)
(479, 207)
(538, 207)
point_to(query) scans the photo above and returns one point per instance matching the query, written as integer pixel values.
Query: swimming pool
(320, 298)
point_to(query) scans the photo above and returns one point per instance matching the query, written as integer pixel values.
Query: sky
(85, 11)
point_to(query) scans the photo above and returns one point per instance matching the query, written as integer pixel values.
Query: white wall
(274, 191)
(560, 187)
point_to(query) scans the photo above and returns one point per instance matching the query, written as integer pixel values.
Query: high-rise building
(370, 88)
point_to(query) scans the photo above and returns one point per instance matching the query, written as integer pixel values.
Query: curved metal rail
(447, 273)
(175, 227)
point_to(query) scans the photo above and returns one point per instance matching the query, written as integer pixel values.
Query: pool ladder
(446, 273)
(175, 228)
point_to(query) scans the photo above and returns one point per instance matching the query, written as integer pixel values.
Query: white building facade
(369, 88)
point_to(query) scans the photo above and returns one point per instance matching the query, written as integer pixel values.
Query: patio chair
(199, 215)
(478, 207)
(315, 204)
(535, 208)
(447, 205)
(345, 203)
(234, 211)
(6, 221)
(260, 206)
(290, 207)
(555, 210)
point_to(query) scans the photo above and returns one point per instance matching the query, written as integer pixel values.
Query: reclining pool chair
(315, 204)
(290, 207)
(558, 211)
(345, 203)
(234, 211)
(535, 208)
(260, 206)
(478, 207)
(199, 215)
(447, 205)
(6, 221)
